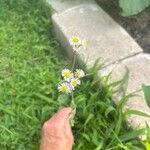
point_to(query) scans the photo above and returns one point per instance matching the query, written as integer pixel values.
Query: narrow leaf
(136, 112)
(131, 135)
(146, 90)
(45, 98)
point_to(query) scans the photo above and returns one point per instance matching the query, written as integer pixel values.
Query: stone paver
(106, 39)
(63, 5)
(139, 73)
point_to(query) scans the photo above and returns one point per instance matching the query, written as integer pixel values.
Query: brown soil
(137, 26)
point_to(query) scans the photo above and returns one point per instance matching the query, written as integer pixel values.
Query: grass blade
(136, 112)
(146, 90)
(131, 135)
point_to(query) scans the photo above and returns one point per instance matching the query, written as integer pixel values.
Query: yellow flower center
(64, 88)
(74, 83)
(67, 74)
(75, 40)
(78, 74)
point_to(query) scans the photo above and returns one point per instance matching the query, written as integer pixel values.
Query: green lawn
(30, 63)
(30, 67)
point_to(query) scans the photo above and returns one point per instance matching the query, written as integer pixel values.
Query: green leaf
(132, 147)
(146, 90)
(110, 109)
(4, 128)
(148, 134)
(147, 146)
(125, 81)
(45, 98)
(133, 7)
(63, 99)
(80, 101)
(7, 111)
(131, 135)
(119, 122)
(136, 112)
(88, 119)
(86, 137)
(100, 146)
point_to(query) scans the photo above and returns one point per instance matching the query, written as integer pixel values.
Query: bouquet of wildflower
(72, 77)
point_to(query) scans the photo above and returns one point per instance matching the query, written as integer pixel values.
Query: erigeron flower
(66, 73)
(84, 43)
(65, 87)
(75, 41)
(74, 82)
(79, 73)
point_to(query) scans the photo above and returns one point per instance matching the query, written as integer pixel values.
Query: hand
(57, 133)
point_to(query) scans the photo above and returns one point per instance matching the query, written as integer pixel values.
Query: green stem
(72, 94)
(72, 101)
(74, 60)
(73, 106)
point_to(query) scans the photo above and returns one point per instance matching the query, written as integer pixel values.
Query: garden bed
(138, 26)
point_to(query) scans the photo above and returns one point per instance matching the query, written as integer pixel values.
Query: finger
(68, 129)
(72, 113)
(63, 115)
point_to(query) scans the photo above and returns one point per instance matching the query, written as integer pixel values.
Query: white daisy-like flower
(79, 73)
(65, 88)
(75, 41)
(84, 44)
(74, 82)
(67, 75)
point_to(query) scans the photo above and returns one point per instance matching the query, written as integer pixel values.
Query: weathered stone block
(139, 73)
(63, 5)
(106, 39)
